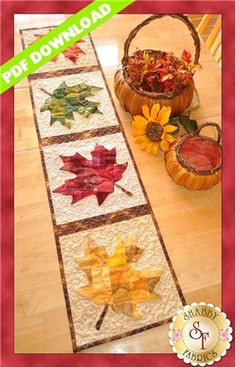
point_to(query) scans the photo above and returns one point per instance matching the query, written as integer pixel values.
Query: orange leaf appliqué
(72, 53)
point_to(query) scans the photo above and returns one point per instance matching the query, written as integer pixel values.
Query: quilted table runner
(116, 274)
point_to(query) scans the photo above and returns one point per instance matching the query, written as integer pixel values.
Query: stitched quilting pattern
(116, 273)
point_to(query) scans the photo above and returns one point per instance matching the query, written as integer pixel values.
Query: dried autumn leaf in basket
(160, 71)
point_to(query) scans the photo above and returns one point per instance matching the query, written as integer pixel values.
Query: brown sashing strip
(64, 72)
(58, 232)
(80, 136)
(36, 29)
(97, 221)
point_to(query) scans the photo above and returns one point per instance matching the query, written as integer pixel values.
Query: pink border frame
(8, 357)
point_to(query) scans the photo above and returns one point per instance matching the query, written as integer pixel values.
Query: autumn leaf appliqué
(72, 53)
(65, 100)
(114, 281)
(93, 177)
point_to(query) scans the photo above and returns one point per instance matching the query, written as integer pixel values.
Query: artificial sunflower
(151, 130)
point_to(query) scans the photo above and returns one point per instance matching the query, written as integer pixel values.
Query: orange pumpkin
(132, 99)
(194, 161)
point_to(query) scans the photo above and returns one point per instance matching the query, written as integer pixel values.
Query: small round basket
(194, 161)
(132, 99)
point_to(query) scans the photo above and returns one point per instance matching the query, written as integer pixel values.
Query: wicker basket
(194, 161)
(132, 99)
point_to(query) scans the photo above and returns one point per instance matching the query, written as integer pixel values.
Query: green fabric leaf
(189, 125)
(65, 100)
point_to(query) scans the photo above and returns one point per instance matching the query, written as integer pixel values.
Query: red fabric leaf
(93, 177)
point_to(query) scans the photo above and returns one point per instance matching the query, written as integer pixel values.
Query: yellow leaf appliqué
(114, 281)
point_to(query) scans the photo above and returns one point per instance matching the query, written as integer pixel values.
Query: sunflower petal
(143, 145)
(139, 122)
(138, 132)
(155, 149)
(140, 139)
(164, 114)
(170, 128)
(146, 112)
(164, 145)
(139, 126)
(140, 118)
(170, 138)
(155, 111)
(149, 147)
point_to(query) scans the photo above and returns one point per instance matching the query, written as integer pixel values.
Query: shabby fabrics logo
(200, 334)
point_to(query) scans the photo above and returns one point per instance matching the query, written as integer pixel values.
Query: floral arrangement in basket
(160, 71)
(153, 76)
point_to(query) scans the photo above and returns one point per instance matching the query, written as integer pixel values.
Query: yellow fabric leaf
(114, 280)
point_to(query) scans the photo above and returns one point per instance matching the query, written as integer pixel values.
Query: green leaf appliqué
(66, 100)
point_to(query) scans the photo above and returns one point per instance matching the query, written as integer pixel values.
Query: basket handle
(181, 17)
(210, 124)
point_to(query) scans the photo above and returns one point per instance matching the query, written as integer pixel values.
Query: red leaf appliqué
(93, 177)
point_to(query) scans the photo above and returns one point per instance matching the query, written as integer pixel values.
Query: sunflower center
(154, 131)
